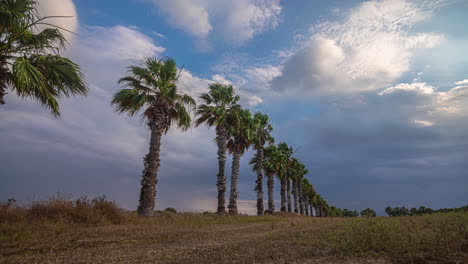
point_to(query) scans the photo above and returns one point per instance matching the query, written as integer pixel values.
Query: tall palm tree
(306, 195)
(285, 153)
(29, 62)
(241, 132)
(153, 88)
(270, 167)
(262, 135)
(302, 171)
(218, 104)
(294, 174)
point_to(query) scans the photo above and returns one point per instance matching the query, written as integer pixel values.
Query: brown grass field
(97, 231)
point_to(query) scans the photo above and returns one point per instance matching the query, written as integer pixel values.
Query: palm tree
(29, 62)
(261, 129)
(305, 195)
(272, 165)
(218, 104)
(153, 88)
(285, 153)
(241, 132)
(301, 174)
(293, 174)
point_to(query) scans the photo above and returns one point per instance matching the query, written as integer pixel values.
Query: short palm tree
(262, 135)
(29, 62)
(241, 132)
(218, 104)
(153, 88)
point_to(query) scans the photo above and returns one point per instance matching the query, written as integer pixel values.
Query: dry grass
(54, 233)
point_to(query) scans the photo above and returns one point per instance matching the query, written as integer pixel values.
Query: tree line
(422, 210)
(152, 89)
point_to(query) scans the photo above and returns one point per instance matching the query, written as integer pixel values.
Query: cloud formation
(368, 50)
(237, 21)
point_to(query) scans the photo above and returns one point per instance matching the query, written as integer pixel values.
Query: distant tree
(368, 213)
(389, 211)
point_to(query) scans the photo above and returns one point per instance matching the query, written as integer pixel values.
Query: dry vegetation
(97, 231)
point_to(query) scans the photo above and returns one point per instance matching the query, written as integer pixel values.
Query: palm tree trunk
(295, 196)
(234, 182)
(150, 173)
(221, 183)
(288, 194)
(259, 183)
(271, 189)
(283, 194)
(306, 207)
(311, 210)
(301, 199)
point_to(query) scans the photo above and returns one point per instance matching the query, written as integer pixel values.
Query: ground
(209, 238)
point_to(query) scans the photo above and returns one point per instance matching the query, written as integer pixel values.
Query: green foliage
(170, 210)
(153, 88)
(368, 213)
(29, 61)
(403, 211)
(241, 131)
(262, 130)
(218, 104)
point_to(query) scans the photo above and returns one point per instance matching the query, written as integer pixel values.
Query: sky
(372, 94)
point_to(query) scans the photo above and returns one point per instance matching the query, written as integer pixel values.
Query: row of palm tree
(153, 89)
(31, 67)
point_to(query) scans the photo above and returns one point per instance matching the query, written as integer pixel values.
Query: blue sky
(373, 93)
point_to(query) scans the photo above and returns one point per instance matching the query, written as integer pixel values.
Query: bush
(171, 210)
(62, 209)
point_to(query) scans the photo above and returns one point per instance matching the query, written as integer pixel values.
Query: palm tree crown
(29, 61)
(262, 130)
(218, 104)
(154, 88)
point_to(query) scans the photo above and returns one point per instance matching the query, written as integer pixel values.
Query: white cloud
(64, 8)
(241, 20)
(423, 122)
(464, 82)
(188, 15)
(417, 86)
(370, 49)
(263, 74)
(448, 104)
(116, 43)
(237, 21)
